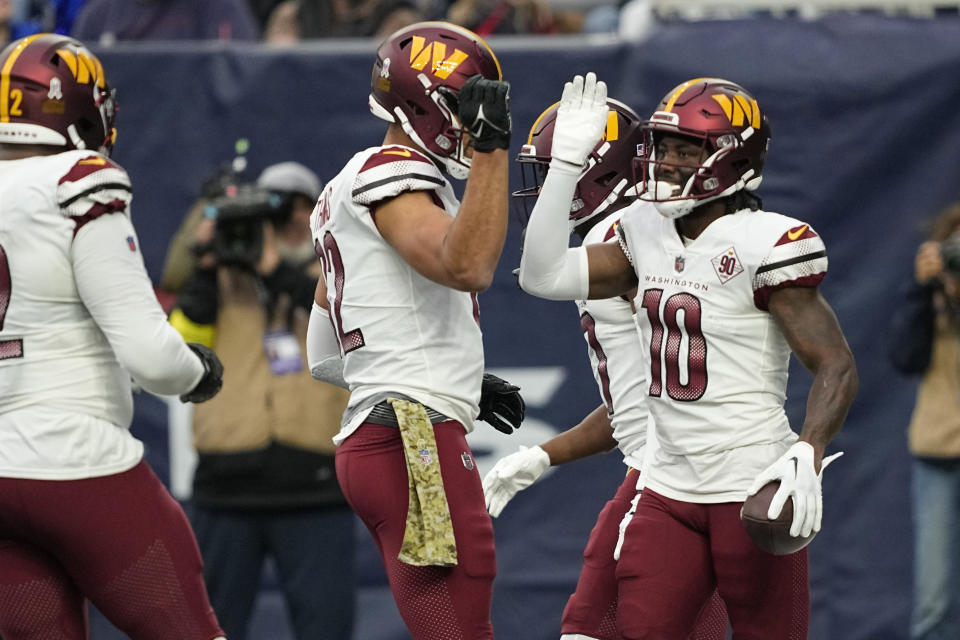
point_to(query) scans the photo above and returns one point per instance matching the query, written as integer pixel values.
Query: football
(773, 536)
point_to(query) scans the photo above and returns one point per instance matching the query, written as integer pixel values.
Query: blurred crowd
(285, 22)
(281, 22)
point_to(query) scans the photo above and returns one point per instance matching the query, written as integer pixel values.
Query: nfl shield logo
(467, 461)
(424, 452)
(679, 263)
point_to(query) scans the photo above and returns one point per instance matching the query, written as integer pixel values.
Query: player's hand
(511, 474)
(501, 405)
(212, 379)
(581, 119)
(483, 107)
(798, 480)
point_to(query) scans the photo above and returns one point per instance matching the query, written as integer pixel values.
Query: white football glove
(511, 474)
(798, 479)
(581, 119)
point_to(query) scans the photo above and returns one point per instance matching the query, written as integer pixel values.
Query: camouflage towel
(428, 538)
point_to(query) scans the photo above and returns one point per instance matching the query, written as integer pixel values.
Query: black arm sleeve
(294, 282)
(911, 330)
(200, 297)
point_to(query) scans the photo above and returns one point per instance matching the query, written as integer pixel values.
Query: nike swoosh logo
(793, 235)
(92, 161)
(404, 153)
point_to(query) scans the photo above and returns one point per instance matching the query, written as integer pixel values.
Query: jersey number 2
(332, 260)
(669, 356)
(8, 348)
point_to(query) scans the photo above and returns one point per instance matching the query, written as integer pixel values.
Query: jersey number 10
(668, 357)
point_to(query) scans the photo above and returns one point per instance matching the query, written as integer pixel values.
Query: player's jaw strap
(428, 538)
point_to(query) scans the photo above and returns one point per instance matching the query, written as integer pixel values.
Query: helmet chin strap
(75, 138)
(454, 168)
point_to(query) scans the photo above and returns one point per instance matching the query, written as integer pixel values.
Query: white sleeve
(548, 267)
(323, 350)
(114, 286)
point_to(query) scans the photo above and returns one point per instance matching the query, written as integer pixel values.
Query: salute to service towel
(428, 538)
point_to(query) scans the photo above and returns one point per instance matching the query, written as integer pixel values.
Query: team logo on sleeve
(727, 265)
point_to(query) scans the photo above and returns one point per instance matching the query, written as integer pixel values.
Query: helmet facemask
(717, 174)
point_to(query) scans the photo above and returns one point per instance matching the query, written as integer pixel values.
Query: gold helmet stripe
(536, 122)
(679, 92)
(5, 75)
(612, 131)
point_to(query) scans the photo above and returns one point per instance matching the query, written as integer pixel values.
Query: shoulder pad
(391, 171)
(797, 259)
(92, 186)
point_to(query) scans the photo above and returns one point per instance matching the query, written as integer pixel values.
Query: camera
(950, 254)
(240, 214)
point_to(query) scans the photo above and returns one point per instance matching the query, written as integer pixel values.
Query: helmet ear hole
(416, 109)
(607, 178)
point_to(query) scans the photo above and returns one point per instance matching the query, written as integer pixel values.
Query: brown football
(773, 536)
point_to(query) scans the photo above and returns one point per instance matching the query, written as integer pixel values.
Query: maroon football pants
(436, 603)
(120, 540)
(676, 553)
(592, 609)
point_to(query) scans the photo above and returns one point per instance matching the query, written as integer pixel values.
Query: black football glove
(501, 405)
(212, 378)
(483, 107)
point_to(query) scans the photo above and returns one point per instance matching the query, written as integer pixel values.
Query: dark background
(866, 148)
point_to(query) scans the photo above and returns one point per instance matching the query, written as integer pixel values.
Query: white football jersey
(717, 359)
(616, 359)
(399, 332)
(65, 398)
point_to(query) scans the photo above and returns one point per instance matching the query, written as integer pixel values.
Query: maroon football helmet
(53, 91)
(727, 122)
(607, 177)
(412, 65)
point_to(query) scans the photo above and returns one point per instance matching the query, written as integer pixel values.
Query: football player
(604, 188)
(396, 320)
(81, 513)
(725, 291)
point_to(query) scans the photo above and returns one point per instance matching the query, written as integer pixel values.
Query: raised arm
(462, 252)
(548, 268)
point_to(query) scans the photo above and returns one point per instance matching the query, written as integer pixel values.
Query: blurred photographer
(265, 483)
(925, 340)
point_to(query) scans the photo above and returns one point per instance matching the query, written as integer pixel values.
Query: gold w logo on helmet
(435, 54)
(740, 109)
(85, 67)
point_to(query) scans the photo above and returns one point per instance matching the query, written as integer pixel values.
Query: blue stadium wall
(866, 147)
